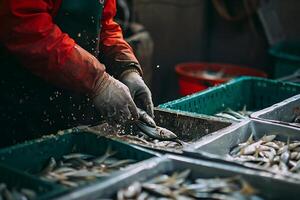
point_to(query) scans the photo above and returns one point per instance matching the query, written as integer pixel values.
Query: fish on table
(79, 168)
(143, 132)
(7, 193)
(146, 132)
(147, 126)
(179, 186)
(276, 155)
(230, 114)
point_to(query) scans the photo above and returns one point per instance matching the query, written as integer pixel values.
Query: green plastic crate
(15, 179)
(287, 58)
(29, 158)
(255, 93)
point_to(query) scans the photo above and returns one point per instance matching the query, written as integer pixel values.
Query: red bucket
(194, 77)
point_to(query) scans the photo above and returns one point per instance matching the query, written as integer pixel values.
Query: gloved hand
(112, 98)
(139, 91)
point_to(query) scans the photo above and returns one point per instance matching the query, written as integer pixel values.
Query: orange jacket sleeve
(28, 31)
(115, 52)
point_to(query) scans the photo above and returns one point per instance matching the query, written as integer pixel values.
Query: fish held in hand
(144, 117)
(157, 132)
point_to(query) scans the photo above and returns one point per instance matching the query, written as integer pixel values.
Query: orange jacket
(27, 30)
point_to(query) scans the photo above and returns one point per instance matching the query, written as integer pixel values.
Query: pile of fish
(147, 126)
(234, 115)
(141, 138)
(179, 186)
(144, 132)
(267, 152)
(77, 168)
(150, 134)
(16, 194)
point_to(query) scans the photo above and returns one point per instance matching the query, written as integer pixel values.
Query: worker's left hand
(139, 91)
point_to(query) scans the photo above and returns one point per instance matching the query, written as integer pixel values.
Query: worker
(51, 51)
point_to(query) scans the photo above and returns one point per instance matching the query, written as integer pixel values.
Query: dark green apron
(30, 107)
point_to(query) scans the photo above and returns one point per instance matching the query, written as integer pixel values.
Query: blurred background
(256, 34)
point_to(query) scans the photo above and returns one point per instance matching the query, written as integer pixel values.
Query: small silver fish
(165, 133)
(7, 194)
(296, 167)
(157, 132)
(276, 159)
(133, 190)
(285, 156)
(272, 144)
(69, 183)
(81, 162)
(294, 145)
(159, 179)
(295, 155)
(297, 119)
(269, 153)
(50, 166)
(226, 116)
(297, 149)
(18, 195)
(63, 170)
(237, 115)
(78, 168)
(30, 194)
(178, 186)
(157, 189)
(283, 167)
(275, 168)
(268, 138)
(121, 163)
(250, 149)
(120, 195)
(283, 149)
(143, 116)
(292, 163)
(77, 156)
(109, 152)
(2, 187)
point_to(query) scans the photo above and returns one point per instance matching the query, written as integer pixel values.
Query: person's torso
(81, 19)
(29, 105)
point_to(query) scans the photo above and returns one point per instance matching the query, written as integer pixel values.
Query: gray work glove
(139, 91)
(112, 98)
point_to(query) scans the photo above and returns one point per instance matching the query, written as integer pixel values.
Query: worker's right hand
(113, 100)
